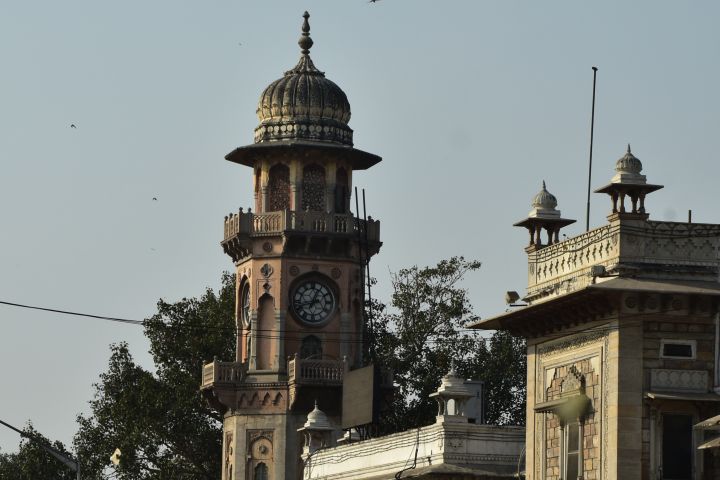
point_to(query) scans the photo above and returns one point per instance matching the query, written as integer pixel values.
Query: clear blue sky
(470, 103)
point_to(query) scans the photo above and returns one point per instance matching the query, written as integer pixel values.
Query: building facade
(623, 331)
(299, 254)
(458, 446)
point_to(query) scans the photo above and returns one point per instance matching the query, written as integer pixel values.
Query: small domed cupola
(628, 168)
(628, 182)
(317, 431)
(544, 216)
(304, 104)
(544, 204)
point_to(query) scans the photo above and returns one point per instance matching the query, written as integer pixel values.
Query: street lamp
(69, 462)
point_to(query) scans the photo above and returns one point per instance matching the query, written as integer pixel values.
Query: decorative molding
(573, 383)
(571, 343)
(679, 380)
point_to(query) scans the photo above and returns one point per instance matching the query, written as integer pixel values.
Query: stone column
(279, 361)
(252, 363)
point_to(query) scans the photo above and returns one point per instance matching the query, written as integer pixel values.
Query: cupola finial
(628, 150)
(305, 41)
(544, 188)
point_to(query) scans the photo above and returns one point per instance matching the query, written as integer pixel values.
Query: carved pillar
(330, 183)
(538, 231)
(252, 364)
(264, 198)
(279, 363)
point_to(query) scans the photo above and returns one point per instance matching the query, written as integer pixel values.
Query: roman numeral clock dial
(313, 302)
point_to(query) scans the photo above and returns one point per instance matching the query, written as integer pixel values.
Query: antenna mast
(592, 128)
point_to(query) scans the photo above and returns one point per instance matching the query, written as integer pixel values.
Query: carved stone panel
(679, 380)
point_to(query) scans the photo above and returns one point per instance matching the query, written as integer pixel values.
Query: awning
(714, 443)
(567, 408)
(683, 396)
(528, 314)
(712, 423)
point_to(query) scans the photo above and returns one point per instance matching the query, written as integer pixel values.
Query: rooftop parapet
(651, 249)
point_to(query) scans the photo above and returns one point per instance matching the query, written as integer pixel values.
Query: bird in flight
(154, 199)
(72, 125)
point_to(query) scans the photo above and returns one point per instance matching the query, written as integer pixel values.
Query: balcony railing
(274, 223)
(316, 372)
(217, 372)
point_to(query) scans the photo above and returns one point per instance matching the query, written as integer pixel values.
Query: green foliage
(32, 462)
(159, 421)
(424, 333)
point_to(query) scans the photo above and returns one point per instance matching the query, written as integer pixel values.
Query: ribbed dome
(628, 163)
(303, 104)
(627, 170)
(544, 204)
(317, 420)
(544, 199)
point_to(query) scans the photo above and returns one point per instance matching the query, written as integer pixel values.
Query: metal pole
(367, 281)
(68, 461)
(592, 128)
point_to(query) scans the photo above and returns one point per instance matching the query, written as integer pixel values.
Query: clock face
(313, 301)
(245, 305)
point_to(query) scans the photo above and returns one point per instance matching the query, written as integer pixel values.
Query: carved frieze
(679, 380)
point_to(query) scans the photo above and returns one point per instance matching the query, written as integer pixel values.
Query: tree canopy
(423, 333)
(32, 462)
(158, 420)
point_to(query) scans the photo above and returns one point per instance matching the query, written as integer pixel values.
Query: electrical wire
(606, 326)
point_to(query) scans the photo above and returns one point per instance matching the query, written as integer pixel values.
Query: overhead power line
(78, 314)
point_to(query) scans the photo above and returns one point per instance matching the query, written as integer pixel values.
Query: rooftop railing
(618, 244)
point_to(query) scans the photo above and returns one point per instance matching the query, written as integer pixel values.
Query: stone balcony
(242, 227)
(217, 373)
(663, 249)
(316, 372)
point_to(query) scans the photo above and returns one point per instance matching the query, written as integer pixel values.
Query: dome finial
(544, 188)
(305, 41)
(628, 150)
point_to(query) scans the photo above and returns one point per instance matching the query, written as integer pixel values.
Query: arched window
(341, 191)
(279, 188)
(261, 472)
(313, 188)
(311, 347)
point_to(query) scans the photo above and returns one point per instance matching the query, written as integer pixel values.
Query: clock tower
(299, 255)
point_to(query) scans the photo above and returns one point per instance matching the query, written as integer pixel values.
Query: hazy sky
(471, 104)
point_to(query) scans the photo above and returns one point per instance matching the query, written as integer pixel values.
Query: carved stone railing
(570, 260)
(216, 372)
(310, 371)
(566, 265)
(274, 223)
